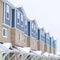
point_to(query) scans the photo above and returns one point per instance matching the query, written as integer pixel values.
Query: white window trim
(24, 41)
(6, 33)
(18, 18)
(7, 12)
(26, 22)
(22, 18)
(32, 26)
(20, 37)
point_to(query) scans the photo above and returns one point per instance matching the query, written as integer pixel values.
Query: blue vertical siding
(7, 21)
(54, 44)
(51, 42)
(38, 34)
(42, 34)
(34, 31)
(13, 17)
(47, 38)
(26, 27)
(29, 28)
(19, 26)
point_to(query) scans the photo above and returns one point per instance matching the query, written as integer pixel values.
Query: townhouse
(17, 29)
(41, 39)
(33, 34)
(54, 47)
(47, 42)
(5, 21)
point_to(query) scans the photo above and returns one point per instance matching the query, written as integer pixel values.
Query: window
(22, 18)
(32, 25)
(20, 37)
(7, 11)
(18, 17)
(24, 41)
(25, 22)
(4, 32)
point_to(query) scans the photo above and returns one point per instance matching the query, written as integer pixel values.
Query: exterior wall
(51, 44)
(32, 42)
(47, 48)
(8, 38)
(26, 41)
(22, 26)
(33, 34)
(47, 42)
(40, 45)
(41, 39)
(54, 46)
(54, 51)
(2, 25)
(51, 50)
(15, 37)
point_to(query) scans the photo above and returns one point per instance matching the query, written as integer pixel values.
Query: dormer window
(7, 12)
(18, 17)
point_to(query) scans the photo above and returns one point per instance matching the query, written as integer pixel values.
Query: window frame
(32, 25)
(20, 37)
(25, 22)
(5, 32)
(18, 17)
(22, 17)
(6, 5)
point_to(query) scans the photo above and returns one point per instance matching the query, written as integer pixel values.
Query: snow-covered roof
(37, 53)
(46, 54)
(51, 54)
(25, 50)
(3, 48)
(7, 47)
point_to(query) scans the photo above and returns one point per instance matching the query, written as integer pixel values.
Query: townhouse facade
(17, 29)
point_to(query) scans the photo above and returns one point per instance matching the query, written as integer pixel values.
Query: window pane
(21, 17)
(4, 32)
(25, 22)
(32, 25)
(7, 11)
(20, 37)
(7, 8)
(18, 17)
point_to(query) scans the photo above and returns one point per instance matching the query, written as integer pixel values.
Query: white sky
(46, 13)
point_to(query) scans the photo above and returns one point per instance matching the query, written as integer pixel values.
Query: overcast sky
(46, 13)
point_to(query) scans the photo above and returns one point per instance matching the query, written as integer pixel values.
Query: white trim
(5, 32)
(4, 12)
(7, 6)
(20, 37)
(30, 27)
(15, 18)
(18, 17)
(4, 17)
(6, 25)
